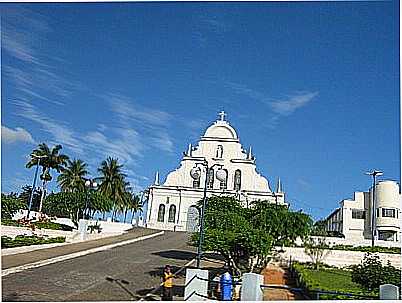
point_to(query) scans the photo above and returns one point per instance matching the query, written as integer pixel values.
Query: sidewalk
(274, 274)
(211, 264)
(31, 256)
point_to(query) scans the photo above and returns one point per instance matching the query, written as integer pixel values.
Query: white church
(232, 172)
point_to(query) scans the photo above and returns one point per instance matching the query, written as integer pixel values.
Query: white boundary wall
(338, 258)
(13, 231)
(342, 241)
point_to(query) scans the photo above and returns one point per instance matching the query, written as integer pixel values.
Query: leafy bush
(53, 225)
(10, 204)
(10, 222)
(8, 242)
(370, 273)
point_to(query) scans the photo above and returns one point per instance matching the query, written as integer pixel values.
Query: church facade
(232, 172)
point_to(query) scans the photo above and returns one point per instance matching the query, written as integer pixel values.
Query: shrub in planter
(95, 227)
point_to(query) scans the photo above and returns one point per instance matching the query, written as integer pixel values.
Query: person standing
(167, 284)
(226, 285)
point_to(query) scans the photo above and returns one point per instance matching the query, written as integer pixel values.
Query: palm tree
(72, 178)
(112, 182)
(51, 159)
(136, 205)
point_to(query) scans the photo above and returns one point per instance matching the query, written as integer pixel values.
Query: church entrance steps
(278, 275)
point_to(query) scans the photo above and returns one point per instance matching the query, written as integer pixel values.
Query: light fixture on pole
(196, 174)
(90, 185)
(34, 182)
(373, 173)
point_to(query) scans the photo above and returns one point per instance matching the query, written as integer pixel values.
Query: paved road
(84, 278)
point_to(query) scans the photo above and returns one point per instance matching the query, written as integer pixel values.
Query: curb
(20, 268)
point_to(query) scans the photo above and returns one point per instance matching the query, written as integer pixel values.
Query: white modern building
(172, 204)
(354, 216)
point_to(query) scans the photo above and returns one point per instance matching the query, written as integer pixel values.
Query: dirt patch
(274, 274)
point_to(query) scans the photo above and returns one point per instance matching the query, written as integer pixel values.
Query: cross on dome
(222, 114)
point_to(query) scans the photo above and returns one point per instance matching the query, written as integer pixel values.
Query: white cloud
(280, 107)
(128, 110)
(149, 123)
(289, 105)
(126, 145)
(162, 141)
(18, 134)
(60, 132)
(23, 33)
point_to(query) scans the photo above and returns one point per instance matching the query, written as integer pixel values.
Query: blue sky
(313, 87)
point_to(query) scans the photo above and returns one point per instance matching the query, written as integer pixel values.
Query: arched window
(210, 184)
(161, 213)
(172, 213)
(219, 151)
(237, 179)
(224, 183)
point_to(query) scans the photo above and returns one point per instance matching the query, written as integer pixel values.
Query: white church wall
(219, 145)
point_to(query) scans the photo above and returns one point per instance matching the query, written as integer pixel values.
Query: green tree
(52, 159)
(72, 178)
(25, 196)
(72, 204)
(136, 205)
(112, 182)
(246, 237)
(319, 228)
(10, 204)
(317, 249)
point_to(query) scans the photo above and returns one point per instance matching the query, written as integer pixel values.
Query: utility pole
(374, 174)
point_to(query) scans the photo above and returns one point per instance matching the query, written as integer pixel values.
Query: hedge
(372, 249)
(8, 242)
(328, 279)
(40, 225)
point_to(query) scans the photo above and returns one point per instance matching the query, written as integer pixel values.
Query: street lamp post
(90, 184)
(373, 173)
(34, 182)
(196, 174)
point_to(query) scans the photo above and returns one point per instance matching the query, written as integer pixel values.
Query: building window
(172, 213)
(224, 183)
(378, 212)
(358, 214)
(196, 183)
(386, 235)
(161, 213)
(237, 180)
(210, 184)
(219, 151)
(388, 212)
(167, 200)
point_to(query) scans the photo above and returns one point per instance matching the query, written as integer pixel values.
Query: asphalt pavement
(123, 273)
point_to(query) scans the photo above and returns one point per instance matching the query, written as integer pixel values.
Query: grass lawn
(329, 279)
(334, 279)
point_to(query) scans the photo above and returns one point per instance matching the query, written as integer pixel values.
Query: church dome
(221, 130)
